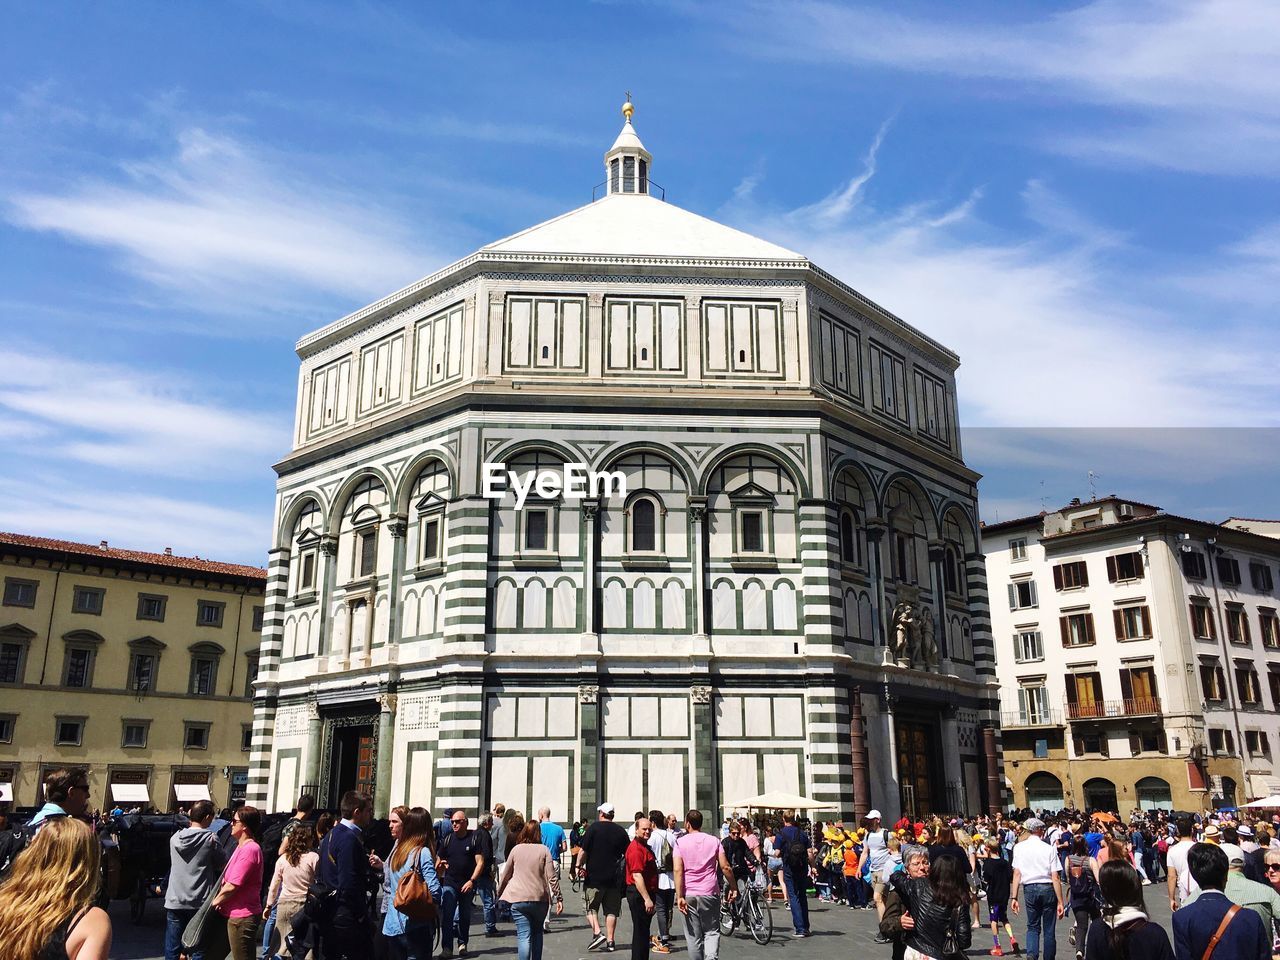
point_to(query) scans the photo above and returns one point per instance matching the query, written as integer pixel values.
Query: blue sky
(1079, 199)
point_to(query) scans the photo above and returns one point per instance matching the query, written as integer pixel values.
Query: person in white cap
(876, 856)
(603, 846)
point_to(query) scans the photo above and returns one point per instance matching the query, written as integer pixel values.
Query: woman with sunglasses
(239, 903)
(1271, 861)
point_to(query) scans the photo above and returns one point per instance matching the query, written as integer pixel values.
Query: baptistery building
(631, 506)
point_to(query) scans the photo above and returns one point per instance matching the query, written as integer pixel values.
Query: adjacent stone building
(1138, 655)
(793, 476)
(138, 666)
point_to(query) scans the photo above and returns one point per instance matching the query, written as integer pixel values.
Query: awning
(130, 793)
(1265, 803)
(189, 792)
(6, 792)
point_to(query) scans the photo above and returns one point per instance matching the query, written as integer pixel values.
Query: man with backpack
(662, 843)
(343, 880)
(603, 846)
(797, 864)
(877, 859)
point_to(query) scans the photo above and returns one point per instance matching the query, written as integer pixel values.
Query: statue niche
(913, 633)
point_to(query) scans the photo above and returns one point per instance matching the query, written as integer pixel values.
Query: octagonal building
(788, 596)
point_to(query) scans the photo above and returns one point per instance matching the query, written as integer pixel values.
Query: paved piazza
(838, 934)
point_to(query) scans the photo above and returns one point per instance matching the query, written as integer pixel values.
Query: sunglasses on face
(456, 822)
(1272, 867)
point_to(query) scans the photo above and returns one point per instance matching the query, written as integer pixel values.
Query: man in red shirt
(642, 887)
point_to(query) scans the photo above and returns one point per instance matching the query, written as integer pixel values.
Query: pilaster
(588, 751)
(705, 768)
(820, 558)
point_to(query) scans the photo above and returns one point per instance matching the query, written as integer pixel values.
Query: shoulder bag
(1222, 928)
(413, 896)
(193, 934)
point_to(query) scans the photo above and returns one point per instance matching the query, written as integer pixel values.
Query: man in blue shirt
(66, 794)
(554, 839)
(1243, 937)
(797, 853)
(346, 866)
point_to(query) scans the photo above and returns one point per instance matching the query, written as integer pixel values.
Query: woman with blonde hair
(295, 871)
(408, 938)
(46, 904)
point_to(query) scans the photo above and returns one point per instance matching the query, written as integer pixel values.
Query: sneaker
(801, 936)
(882, 939)
(996, 951)
(661, 948)
(598, 941)
(1013, 945)
(462, 949)
(1072, 937)
(609, 947)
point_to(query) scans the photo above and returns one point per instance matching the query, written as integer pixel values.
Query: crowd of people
(320, 886)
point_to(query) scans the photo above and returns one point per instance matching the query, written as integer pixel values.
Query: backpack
(796, 856)
(665, 854)
(1084, 887)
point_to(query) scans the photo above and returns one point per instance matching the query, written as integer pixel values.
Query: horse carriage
(136, 856)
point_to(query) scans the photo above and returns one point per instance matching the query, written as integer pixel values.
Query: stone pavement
(838, 934)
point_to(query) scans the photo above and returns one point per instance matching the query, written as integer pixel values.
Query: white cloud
(148, 423)
(215, 220)
(1199, 75)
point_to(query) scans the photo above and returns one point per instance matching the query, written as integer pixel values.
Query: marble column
(397, 526)
(315, 743)
(876, 530)
(858, 755)
(705, 788)
(591, 542)
(327, 578)
(995, 795)
(588, 751)
(937, 577)
(386, 752)
(697, 523)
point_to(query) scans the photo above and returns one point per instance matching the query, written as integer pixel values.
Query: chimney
(102, 545)
(168, 551)
(1075, 501)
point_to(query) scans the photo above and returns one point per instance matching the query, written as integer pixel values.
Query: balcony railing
(1011, 719)
(1107, 709)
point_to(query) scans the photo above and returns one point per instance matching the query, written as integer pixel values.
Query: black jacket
(932, 919)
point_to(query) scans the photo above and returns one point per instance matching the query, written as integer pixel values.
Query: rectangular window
(1193, 567)
(1237, 625)
(1147, 741)
(135, 734)
(1022, 595)
(431, 539)
(257, 619)
(536, 529)
(752, 531)
(1018, 549)
(1070, 576)
(209, 613)
(246, 737)
(1138, 688)
(6, 727)
(888, 382)
(1213, 681)
(1221, 741)
(202, 674)
(1077, 629)
(1260, 576)
(142, 672)
(1273, 680)
(1033, 704)
(19, 593)
(367, 553)
(1247, 684)
(1092, 743)
(11, 662)
(1229, 571)
(1269, 628)
(1132, 623)
(1203, 626)
(151, 607)
(87, 600)
(79, 664)
(196, 736)
(251, 675)
(68, 731)
(1124, 566)
(1027, 646)
(307, 576)
(1084, 695)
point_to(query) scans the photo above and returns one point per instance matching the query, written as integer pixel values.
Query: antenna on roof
(1093, 485)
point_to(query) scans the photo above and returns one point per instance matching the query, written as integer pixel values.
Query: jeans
(798, 897)
(268, 931)
(527, 916)
(1042, 915)
(415, 943)
(455, 916)
(702, 928)
(855, 891)
(641, 924)
(665, 901)
(175, 922)
(489, 901)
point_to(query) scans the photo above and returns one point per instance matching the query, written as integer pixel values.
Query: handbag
(413, 896)
(950, 947)
(1222, 928)
(193, 933)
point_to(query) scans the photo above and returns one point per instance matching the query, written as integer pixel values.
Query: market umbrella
(1271, 801)
(1105, 818)
(779, 800)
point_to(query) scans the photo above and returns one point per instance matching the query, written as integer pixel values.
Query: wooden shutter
(1088, 628)
(1111, 570)
(1031, 589)
(1065, 627)
(1135, 744)
(1118, 617)
(1146, 621)
(1072, 692)
(1013, 596)
(1057, 577)
(1126, 684)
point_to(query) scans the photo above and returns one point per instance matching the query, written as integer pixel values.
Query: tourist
(773, 863)
(797, 864)
(1271, 868)
(195, 863)
(739, 857)
(855, 893)
(875, 858)
(46, 904)
(460, 862)
(603, 845)
(294, 873)
(895, 922)
(554, 839)
(1083, 892)
(642, 887)
(485, 882)
(1253, 854)
(699, 863)
(11, 840)
(996, 876)
(239, 901)
(530, 885)
(1261, 898)
(663, 842)
(1180, 882)
(938, 905)
(66, 794)
(345, 867)
(515, 822)
(947, 847)
(498, 834)
(410, 938)
(1035, 867)
(1126, 933)
(1197, 922)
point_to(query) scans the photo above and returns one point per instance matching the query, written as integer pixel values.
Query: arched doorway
(1100, 793)
(1153, 794)
(1044, 791)
(1227, 798)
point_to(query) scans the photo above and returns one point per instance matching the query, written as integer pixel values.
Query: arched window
(644, 526)
(1153, 794)
(848, 539)
(1044, 791)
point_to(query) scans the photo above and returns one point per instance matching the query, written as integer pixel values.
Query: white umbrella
(1271, 801)
(779, 800)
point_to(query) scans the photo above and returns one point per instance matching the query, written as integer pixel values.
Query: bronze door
(366, 775)
(915, 767)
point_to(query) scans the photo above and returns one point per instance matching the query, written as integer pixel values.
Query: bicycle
(750, 910)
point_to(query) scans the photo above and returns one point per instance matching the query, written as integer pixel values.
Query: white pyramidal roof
(641, 226)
